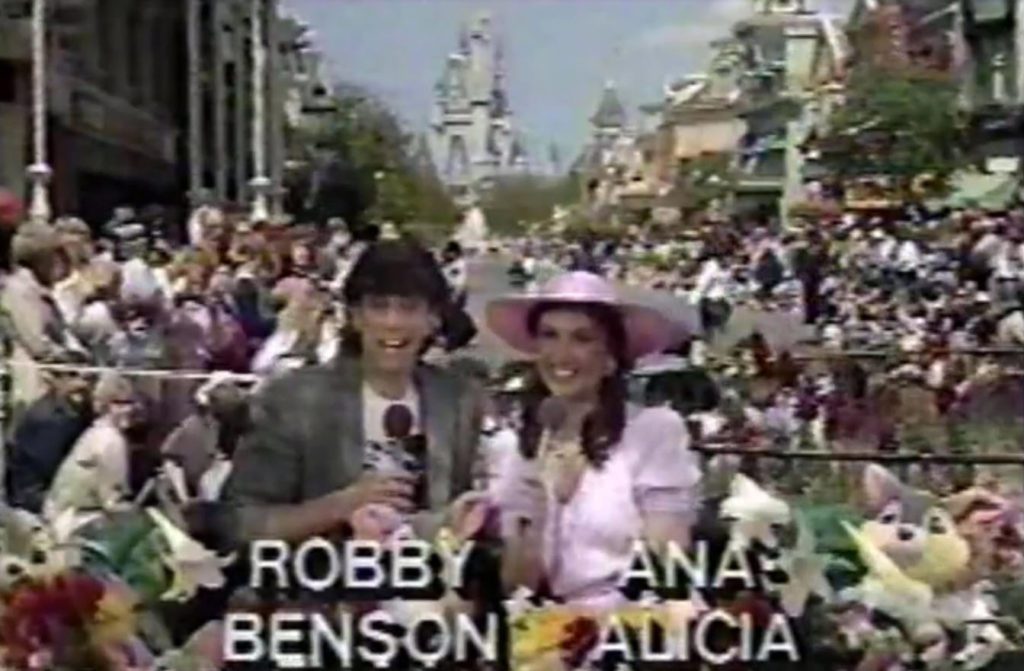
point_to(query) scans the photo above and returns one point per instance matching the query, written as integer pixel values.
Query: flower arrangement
(550, 637)
(69, 621)
(77, 591)
(853, 606)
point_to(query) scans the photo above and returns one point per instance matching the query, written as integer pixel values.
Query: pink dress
(588, 541)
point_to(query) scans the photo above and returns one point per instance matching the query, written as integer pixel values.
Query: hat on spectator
(73, 226)
(33, 240)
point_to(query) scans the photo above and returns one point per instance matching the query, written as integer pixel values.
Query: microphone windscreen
(552, 413)
(397, 422)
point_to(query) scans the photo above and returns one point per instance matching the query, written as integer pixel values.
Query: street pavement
(488, 280)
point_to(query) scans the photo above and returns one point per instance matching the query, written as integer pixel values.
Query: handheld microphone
(398, 422)
(551, 417)
(408, 451)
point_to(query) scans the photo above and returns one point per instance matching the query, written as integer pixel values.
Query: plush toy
(919, 569)
(993, 527)
(914, 529)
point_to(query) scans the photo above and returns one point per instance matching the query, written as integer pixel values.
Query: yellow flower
(643, 617)
(446, 542)
(539, 631)
(115, 619)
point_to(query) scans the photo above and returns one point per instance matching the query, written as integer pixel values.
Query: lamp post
(260, 183)
(39, 172)
(275, 115)
(195, 104)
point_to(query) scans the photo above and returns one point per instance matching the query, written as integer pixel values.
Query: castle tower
(472, 138)
(609, 121)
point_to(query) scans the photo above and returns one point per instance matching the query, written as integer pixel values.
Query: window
(8, 82)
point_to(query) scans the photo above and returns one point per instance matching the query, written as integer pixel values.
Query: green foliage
(515, 202)
(831, 539)
(826, 521)
(375, 170)
(128, 546)
(900, 123)
(701, 180)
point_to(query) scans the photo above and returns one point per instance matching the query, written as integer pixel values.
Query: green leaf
(826, 522)
(128, 546)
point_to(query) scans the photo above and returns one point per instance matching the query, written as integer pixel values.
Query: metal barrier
(706, 449)
(1005, 459)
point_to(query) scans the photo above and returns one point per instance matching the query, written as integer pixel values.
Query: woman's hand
(468, 514)
(375, 522)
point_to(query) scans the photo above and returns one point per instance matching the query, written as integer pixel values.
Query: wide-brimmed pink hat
(648, 331)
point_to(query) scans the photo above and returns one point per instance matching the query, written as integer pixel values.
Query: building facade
(768, 84)
(979, 46)
(472, 136)
(790, 49)
(152, 103)
(993, 80)
(237, 134)
(115, 100)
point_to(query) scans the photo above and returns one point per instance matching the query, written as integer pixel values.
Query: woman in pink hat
(592, 473)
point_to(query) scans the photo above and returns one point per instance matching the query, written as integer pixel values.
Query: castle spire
(611, 113)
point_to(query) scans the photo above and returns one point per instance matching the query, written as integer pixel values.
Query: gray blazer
(307, 440)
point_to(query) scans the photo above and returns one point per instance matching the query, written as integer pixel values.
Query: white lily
(519, 602)
(753, 512)
(191, 564)
(212, 482)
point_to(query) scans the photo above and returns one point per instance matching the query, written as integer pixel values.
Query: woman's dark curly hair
(603, 428)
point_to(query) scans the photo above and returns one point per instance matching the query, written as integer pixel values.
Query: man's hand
(395, 491)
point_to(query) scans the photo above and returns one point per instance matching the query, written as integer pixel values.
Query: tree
(363, 168)
(701, 180)
(902, 123)
(514, 202)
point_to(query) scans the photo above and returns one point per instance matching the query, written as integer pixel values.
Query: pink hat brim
(648, 331)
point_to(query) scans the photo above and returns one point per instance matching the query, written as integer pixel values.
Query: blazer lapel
(345, 408)
(437, 404)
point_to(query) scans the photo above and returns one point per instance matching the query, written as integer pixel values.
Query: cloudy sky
(558, 53)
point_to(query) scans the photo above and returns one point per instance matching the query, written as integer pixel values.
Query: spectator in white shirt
(908, 258)
(885, 248)
(711, 296)
(95, 474)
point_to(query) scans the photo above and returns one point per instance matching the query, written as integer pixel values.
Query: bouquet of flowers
(551, 637)
(79, 592)
(68, 622)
